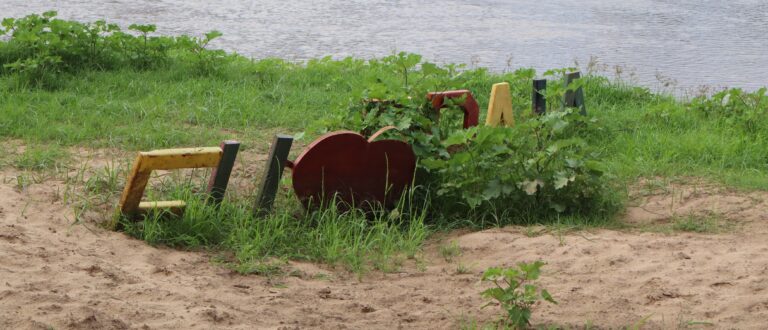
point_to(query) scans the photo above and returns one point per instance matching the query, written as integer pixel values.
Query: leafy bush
(541, 168)
(538, 168)
(749, 110)
(42, 47)
(513, 290)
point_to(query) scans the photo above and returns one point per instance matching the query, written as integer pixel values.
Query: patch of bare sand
(53, 273)
(657, 201)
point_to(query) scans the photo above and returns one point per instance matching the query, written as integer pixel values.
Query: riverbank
(667, 171)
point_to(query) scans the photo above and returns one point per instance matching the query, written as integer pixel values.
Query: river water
(683, 43)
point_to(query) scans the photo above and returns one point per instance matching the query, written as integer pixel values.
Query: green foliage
(542, 168)
(41, 48)
(737, 107)
(144, 51)
(539, 168)
(203, 60)
(515, 292)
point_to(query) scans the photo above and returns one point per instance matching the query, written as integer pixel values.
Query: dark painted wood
(574, 99)
(538, 99)
(469, 106)
(217, 185)
(277, 161)
(343, 166)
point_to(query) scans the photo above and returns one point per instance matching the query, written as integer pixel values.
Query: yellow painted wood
(171, 159)
(500, 106)
(162, 205)
(175, 207)
(134, 188)
(167, 159)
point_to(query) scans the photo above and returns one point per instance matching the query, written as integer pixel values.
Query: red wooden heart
(358, 171)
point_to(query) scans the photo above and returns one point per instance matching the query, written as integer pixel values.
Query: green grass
(171, 107)
(647, 135)
(450, 251)
(657, 135)
(711, 224)
(39, 157)
(354, 240)
(696, 225)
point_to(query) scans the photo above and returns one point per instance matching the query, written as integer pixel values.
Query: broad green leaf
(548, 297)
(432, 163)
(559, 208)
(491, 273)
(404, 123)
(428, 68)
(492, 190)
(495, 293)
(560, 182)
(511, 274)
(595, 166)
(531, 186)
(213, 35)
(573, 163)
(559, 126)
(456, 138)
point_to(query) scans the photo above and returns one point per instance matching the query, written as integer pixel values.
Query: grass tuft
(39, 158)
(353, 239)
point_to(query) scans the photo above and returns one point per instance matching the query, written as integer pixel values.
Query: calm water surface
(690, 42)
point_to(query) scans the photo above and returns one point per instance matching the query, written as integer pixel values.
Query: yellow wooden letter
(500, 106)
(167, 159)
(171, 159)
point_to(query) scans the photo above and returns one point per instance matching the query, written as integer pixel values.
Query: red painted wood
(470, 107)
(344, 163)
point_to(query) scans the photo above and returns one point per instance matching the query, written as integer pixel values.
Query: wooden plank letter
(538, 99)
(574, 98)
(273, 171)
(217, 185)
(469, 106)
(171, 159)
(134, 188)
(500, 106)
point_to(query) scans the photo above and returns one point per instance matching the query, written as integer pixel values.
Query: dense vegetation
(66, 83)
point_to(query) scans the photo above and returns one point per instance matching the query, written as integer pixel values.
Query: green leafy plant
(204, 60)
(541, 166)
(35, 38)
(737, 107)
(450, 251)
(149, 51)
(41, 48)
(515, 292)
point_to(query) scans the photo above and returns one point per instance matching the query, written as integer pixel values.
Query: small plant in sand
(450, 251)
(514, 291)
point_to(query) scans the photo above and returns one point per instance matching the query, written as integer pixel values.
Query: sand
(60, 274)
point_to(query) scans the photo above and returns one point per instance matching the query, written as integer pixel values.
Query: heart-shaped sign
(357, 171)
